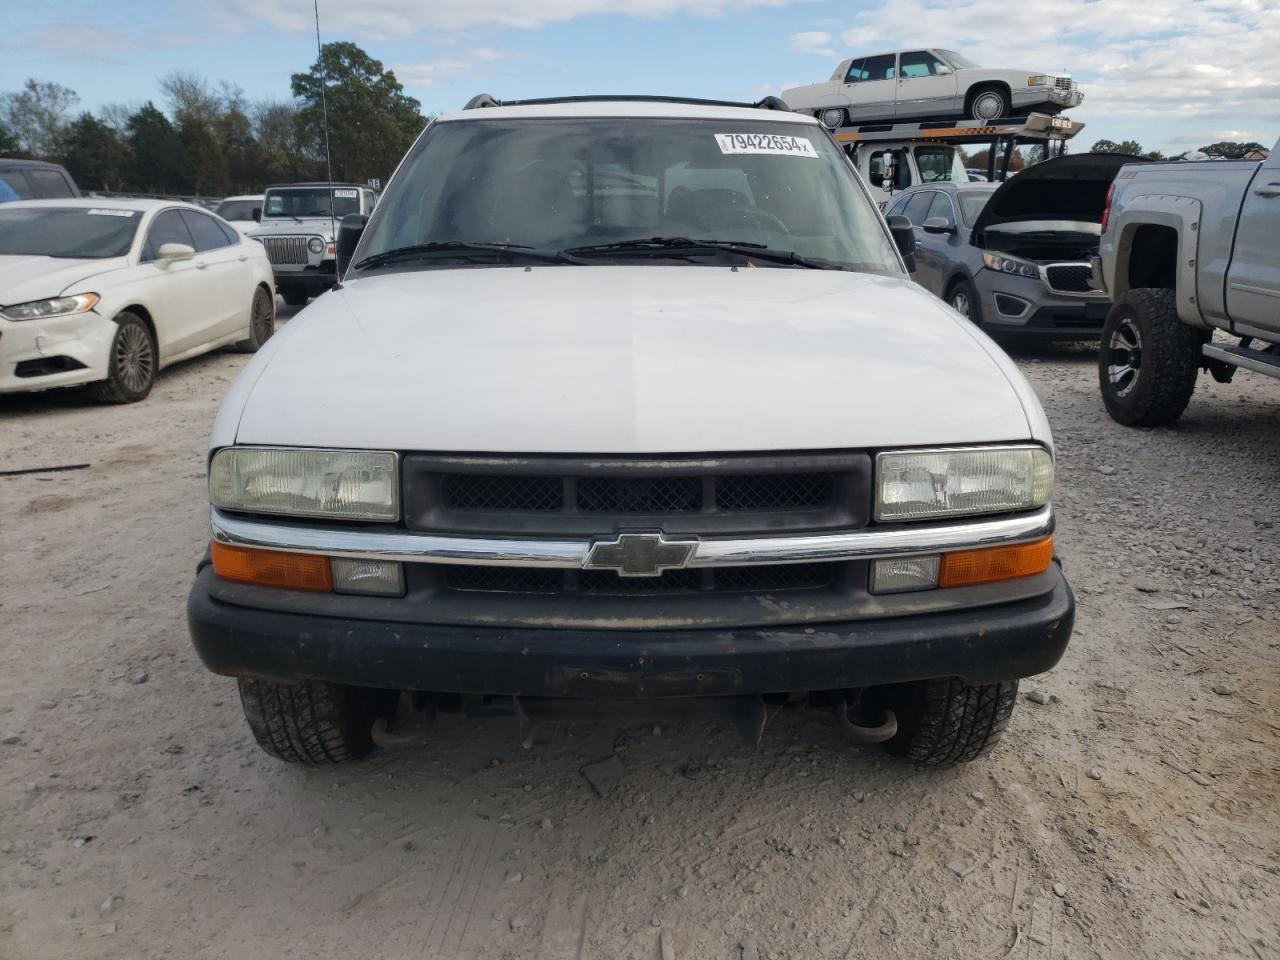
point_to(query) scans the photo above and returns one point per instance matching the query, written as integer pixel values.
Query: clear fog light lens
(381, 578)
(927, 484)
(903, 574)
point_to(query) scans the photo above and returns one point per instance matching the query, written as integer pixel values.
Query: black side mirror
(349, 233)
(905, 237)
(938, 225)
(257, 214)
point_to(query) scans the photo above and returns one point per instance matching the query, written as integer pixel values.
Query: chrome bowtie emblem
(639, 554)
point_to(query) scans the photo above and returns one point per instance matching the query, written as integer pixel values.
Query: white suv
(582, 423)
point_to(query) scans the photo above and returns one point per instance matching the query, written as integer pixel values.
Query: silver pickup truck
(1187, 249)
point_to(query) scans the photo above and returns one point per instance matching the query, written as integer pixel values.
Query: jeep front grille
(286, 251)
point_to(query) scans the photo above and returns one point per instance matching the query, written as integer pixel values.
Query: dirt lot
(1134, 813)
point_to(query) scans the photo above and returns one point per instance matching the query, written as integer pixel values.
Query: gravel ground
(1130, 811)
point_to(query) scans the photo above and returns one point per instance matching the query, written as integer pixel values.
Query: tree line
(1224, 149)
(210, 140)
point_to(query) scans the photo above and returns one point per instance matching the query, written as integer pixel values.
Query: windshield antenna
(324, 110)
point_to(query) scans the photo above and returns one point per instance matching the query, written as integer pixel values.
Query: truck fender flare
(1183, 216)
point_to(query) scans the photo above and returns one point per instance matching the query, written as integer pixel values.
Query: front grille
(1064, 83)
(724, 495)
(521, 580)
(1069, 278)
(286, 251)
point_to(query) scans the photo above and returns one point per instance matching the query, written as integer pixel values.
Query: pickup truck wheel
(1148, 361)
(989, 103)
(131, 365)
(262, 321)
(313, 722)
(294, 298)
(941, 722)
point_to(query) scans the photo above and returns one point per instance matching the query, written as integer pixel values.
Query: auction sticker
(768, 143)
(344, 194)
(100, 212)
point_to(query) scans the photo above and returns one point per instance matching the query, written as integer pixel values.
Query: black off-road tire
(941, 722)
(313, 722)
(262, 321)
(132, 363)
(1168, 354)
(294, 297)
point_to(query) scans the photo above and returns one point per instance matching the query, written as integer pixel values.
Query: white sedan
(108, 292)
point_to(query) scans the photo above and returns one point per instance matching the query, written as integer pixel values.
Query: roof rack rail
(482, 100)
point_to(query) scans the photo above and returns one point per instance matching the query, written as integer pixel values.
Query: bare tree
(36, 116)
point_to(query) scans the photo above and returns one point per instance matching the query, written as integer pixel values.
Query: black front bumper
(982, 645)
(312, 280)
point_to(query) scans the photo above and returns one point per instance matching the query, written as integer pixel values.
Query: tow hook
(887, 729)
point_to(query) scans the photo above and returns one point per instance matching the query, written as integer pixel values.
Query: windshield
(310, 202)
(937, 163)
(956, 60)
(94, 232)
(239, 209)
(555, 184)
(972, 202)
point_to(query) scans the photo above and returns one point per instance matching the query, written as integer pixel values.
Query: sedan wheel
(262, 321)
(131, 364)
(832, 117)
(989, 105)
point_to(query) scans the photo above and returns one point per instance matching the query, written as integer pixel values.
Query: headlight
(56, 307)
(926, 484)
(1005, 264)
(1038, 80)
(341, 484)
(315, 245)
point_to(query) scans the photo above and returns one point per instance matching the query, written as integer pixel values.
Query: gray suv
(1014, 257)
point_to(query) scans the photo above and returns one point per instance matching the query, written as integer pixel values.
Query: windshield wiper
(742, 248)
(463, 247)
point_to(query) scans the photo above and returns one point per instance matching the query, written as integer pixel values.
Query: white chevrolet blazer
(583, 425)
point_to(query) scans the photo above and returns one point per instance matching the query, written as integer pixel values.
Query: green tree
(160, 162)
(1230, 149)
(8, 143)
(94, 154)
(372, 122)
(281, 156)
(207, 173)
(37, 117)
(1131, 147)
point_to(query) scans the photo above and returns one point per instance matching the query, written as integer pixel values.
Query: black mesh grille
(1073, 278)
(646, 495)
(765, 579)
(484, 491)
(775, 491)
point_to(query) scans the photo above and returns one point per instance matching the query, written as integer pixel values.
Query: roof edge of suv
(482, 100)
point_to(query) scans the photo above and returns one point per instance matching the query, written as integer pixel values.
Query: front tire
(262, 321)
(313, 722)
(832, 117)
(131, 364)
(963, 298)
(1148, 359)
(942, 722)
(989, 104)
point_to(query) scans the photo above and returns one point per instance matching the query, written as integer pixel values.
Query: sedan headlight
(315, 245)
(1003, 263)
(1038, 80)
(299, 482)
(55, 307)
(927, 484)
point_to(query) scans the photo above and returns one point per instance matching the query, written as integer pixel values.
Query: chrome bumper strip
(885, 541)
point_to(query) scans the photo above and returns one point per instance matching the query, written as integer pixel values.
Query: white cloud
(1175, 59)
(388, 19)
(425, 73)
(813, 41)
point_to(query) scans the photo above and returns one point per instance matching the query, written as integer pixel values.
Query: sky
(1171, 74)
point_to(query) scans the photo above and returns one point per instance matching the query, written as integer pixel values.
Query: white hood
(24, 278)
(633, 359)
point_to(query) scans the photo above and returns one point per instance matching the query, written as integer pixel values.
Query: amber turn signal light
(992, 564)
(272, 568)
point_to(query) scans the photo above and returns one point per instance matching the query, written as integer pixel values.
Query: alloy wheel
(960, 300)
(1124, 353)
(263, 319)
(135, 360)
(988, 105)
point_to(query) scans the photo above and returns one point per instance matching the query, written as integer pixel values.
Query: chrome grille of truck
(286, 251)
(723, 495)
